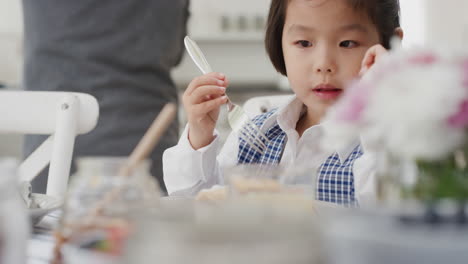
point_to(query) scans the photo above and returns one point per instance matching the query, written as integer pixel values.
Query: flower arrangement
(414, 105)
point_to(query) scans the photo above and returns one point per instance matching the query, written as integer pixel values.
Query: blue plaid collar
(345, 150)
(286, 118)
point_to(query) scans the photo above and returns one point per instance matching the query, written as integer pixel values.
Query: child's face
(324, 42)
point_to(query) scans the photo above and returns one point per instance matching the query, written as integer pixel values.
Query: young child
(320, 45)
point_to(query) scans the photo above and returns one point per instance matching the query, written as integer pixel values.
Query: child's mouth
(327, 92)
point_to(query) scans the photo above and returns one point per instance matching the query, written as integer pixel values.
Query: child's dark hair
(383, 13)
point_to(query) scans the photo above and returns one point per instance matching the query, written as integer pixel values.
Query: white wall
(11, 28)
(435, 23)
(11, 16)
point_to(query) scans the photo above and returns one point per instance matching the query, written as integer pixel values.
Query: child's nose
(324, 70)
(325, 66)
(325, 61)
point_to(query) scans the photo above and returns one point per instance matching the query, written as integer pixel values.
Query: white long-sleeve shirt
(187, 171)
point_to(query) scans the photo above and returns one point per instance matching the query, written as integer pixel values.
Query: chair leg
(64, 141)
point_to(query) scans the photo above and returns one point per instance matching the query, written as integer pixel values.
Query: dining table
(387, 235)
(42, 241)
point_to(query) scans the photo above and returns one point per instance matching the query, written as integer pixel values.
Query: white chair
(262, 104)
(62, 115)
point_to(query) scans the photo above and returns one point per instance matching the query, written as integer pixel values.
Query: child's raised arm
(202, 100)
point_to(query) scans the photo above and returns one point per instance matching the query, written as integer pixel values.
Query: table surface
(41, 243)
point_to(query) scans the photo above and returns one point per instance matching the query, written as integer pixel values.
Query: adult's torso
(121, 52)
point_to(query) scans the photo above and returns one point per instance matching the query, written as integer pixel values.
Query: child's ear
(398, 32)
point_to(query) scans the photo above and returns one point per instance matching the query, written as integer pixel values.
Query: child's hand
(372, 55)
(202, 99)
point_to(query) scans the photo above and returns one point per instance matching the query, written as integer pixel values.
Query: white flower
(406, 111)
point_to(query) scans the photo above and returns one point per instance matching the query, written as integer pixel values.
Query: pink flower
(424, 59)
(460, 119)
(353, 105)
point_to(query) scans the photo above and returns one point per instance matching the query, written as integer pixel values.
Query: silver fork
(237, 118)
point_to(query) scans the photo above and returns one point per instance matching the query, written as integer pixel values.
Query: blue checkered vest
(335, 180)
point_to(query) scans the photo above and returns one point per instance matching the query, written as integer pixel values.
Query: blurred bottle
(96, 176)
(98, 179)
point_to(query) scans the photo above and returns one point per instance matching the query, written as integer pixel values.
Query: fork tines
(254, 136)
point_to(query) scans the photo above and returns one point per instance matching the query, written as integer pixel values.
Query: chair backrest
(63, 115)
(262, 104)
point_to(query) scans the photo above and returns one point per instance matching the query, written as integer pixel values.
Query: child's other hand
(202, 100)
(372, 55)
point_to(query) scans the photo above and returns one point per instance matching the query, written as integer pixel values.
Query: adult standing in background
(121, 52)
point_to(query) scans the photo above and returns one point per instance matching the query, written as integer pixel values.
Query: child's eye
(304, 43)
(348, 44)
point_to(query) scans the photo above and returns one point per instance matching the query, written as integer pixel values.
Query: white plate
(46, 204)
